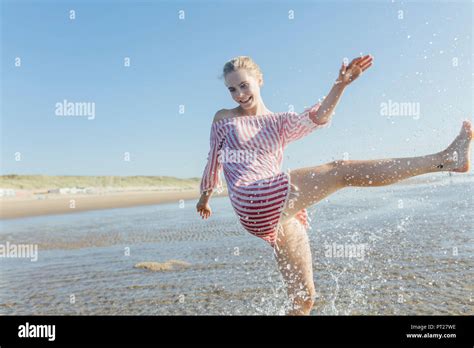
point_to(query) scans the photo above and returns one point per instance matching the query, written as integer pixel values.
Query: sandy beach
(34, 195)
(34, 205)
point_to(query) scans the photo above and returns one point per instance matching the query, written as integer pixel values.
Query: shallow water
(415, 256)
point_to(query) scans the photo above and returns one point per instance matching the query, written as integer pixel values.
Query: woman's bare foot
(456, 157)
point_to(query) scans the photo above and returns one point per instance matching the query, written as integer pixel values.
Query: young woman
(247, 143)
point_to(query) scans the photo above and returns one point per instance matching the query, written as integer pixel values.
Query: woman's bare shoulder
(223, 114)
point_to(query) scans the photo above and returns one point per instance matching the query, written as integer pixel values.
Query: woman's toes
(462, 148)
(467, 125)
(457, 154)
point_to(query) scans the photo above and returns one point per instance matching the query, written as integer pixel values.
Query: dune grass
(29, 182)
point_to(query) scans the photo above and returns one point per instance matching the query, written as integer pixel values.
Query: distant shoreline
(12, 208)
(35, 195)
(25, 196)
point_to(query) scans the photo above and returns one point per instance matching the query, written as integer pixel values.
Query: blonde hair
(243, 62)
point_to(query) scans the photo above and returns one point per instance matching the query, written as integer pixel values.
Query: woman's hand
(204, 209)
(347, 74)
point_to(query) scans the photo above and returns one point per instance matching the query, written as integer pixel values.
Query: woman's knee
(339, 169)
(291, 236)
(285, 225)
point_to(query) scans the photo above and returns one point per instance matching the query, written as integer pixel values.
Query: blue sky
(177, 62)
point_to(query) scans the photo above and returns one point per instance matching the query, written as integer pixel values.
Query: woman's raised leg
(294, 259)
(316, 183)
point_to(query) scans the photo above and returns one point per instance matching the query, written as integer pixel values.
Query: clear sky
(422, 54)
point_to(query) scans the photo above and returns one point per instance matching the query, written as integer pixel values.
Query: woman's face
(244, 88)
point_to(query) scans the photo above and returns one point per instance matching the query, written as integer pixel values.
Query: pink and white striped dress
(250, 151)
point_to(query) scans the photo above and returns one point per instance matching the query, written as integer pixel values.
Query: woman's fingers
(362, 63)
(342, 71)
(365, 67)
(366, 61)
(204, 213)
(356, 67)
(366, 64)
(351, 64)
(355, 60)
(342, 68)
(362, 60)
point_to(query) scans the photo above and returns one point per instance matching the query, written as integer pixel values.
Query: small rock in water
(170, 265)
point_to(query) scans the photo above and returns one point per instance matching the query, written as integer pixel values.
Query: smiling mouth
(247, 101)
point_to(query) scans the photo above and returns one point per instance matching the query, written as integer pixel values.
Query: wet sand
(61, 204)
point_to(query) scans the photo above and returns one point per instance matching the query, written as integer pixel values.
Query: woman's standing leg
(295, 263)
(316, 183)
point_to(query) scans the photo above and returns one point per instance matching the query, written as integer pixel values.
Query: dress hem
(278, 226)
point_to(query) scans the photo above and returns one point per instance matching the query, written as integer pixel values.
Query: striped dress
(249, 149)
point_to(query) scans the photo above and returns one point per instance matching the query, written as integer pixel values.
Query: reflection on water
(415, 257)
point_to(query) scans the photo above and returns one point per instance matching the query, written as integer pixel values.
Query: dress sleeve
(294, 126)
(211, 177)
